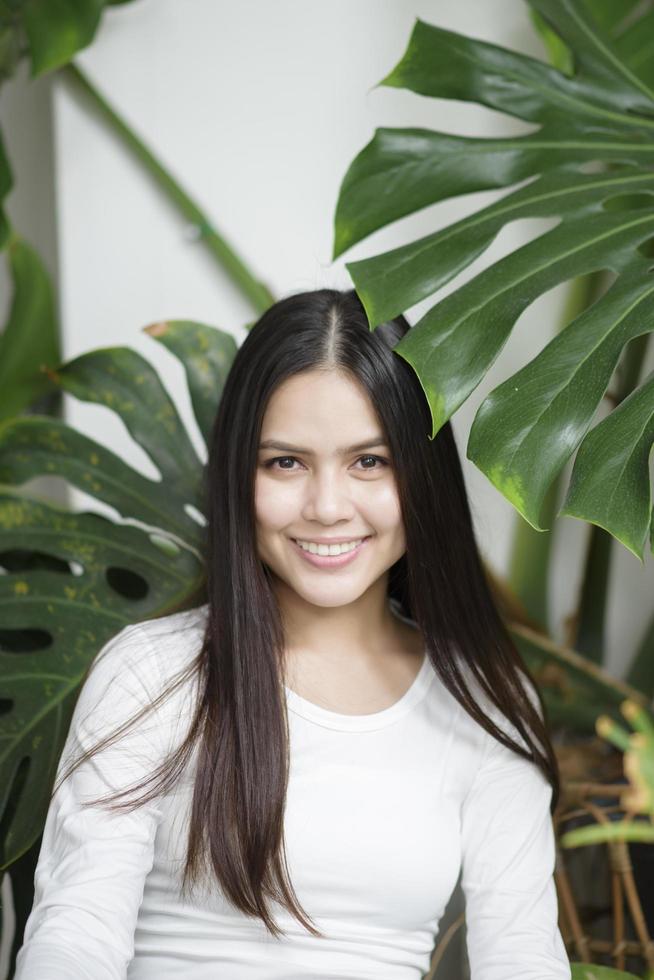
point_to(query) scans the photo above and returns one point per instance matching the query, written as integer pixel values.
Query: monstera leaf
(72, 580)
(588, 162)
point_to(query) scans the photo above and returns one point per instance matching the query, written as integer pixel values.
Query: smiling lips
(321, 557)
(335, 547)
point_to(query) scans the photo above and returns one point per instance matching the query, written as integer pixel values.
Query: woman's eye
(377, 459)
(270, 464)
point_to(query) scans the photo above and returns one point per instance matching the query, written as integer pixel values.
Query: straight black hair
(239, 730)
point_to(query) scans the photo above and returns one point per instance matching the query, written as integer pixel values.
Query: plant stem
(258, 294)
(641, 672)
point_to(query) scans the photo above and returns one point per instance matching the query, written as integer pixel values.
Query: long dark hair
(239, 729)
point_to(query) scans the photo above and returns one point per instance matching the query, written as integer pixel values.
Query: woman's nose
(328, 497)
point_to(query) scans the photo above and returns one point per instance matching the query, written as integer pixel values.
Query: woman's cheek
(276, 506)
(384, 506)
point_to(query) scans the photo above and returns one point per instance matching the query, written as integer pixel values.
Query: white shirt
(383, 812)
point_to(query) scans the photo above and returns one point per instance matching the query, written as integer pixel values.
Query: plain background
(258, 109)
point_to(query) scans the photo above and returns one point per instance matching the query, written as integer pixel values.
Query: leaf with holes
(588, 164)
(72, 580)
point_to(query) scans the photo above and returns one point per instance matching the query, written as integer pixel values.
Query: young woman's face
(315, 487)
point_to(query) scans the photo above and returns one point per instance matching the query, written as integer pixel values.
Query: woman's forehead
(320, 406)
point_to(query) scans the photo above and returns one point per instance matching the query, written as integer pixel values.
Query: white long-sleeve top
(383, 813)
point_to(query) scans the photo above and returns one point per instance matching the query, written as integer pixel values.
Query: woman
(286, 781)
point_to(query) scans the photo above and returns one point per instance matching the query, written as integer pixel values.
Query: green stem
(593, 595)
(641, 669)
(258, 294)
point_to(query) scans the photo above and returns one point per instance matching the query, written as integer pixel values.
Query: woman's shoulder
(154, 648)
(477, 732)
(135, 667)
(143, 657)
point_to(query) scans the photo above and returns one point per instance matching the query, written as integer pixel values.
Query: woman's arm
(508, 864)
(92, 865)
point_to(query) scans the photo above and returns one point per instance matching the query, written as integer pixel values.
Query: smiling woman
(330, 495)
(286, 782)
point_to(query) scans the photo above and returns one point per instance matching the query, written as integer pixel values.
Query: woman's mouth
(330, 561)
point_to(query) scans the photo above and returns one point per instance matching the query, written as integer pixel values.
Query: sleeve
(508, 859)
(93, 862)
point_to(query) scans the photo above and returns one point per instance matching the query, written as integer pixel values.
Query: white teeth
(328, 549)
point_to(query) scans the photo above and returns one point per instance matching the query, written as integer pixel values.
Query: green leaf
(206, 354)
(72, 580)
(558, 52)
(609, 15)
(588, 162)
(38, 445)
(454, 344)
(30, 339)
(518, 85)
(544, 410)
(404, 170)
(52, 625)
(587, 971)
(594, 52)
(50, 31)
(616, 455)
(635, 46)
(125, 382)
(6, 184)
(57, 29)
(392, 282)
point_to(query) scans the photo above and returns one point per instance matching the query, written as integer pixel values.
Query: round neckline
(376, 719)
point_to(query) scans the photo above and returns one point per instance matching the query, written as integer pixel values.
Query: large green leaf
(71, 580)
(589, 165)
(542, 413)
(38, 445)
(125, 574)
(30, 338)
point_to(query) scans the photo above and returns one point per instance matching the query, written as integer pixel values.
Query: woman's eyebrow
(343, 451)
